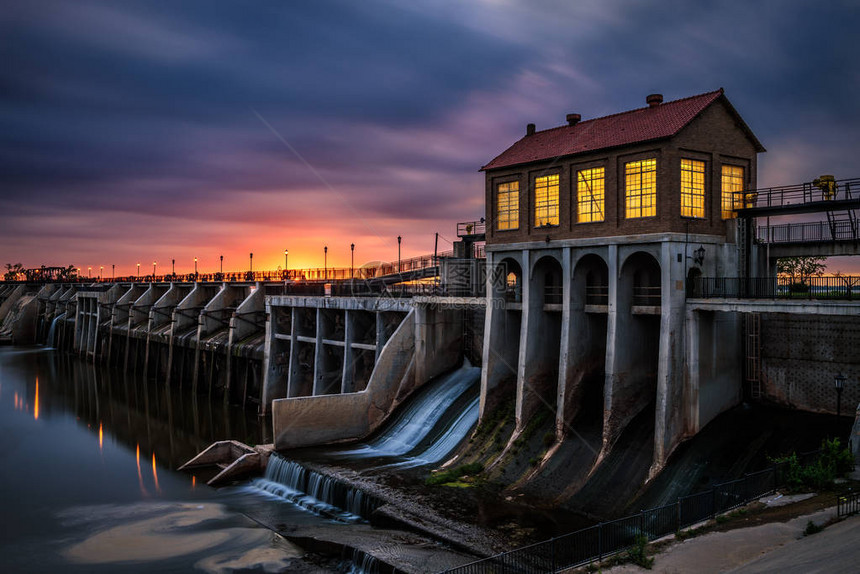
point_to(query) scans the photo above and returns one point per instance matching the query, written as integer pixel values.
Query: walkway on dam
(773, 547)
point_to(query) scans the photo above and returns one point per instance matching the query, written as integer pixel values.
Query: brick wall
(802, 353)
(713, 137)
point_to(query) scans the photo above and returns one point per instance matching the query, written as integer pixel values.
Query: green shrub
(451, 475)
(637, 554)
(834, 461)
(812, 528)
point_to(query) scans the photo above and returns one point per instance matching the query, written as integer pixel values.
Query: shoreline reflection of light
(101, 435)
(193, 482)
(155, 474)
(139, 474)
(36, 402)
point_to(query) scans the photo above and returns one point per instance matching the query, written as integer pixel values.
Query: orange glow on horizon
(36, 402)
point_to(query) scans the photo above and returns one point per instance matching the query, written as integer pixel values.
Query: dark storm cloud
(377, 109)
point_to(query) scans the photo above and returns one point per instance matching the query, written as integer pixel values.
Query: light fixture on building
(699, 255)
(839, 382)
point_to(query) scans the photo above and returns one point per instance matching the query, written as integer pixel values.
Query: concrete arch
(634, 334)
(583, 372)
(541, 340)
(507, 280)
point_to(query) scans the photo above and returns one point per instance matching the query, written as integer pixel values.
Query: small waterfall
(315, 492)
(413, 425)
(362, 563)
(52, 331)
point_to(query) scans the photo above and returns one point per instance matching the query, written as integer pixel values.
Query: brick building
(592, 229)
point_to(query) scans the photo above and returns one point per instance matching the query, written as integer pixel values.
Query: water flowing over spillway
(431, 409)
(313, 491)
(425, 431)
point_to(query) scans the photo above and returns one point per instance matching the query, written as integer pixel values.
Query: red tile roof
(635, 126)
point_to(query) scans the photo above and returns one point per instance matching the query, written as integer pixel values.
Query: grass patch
(452, 475)
(637, 553)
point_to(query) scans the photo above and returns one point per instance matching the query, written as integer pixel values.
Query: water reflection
(163, 423)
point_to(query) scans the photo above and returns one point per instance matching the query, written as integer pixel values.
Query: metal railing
(471, 228)
(847, 504)
(810, 232)
(646, 296)
(597, 295)
(607, 538)
(843, 287)
(799, 194)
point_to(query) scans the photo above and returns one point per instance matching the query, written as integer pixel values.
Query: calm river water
(87, 479)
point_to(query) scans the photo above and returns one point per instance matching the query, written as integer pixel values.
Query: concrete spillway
(427, 429)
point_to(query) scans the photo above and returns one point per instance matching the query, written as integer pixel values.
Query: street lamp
(195, 268)
(398, 253)
(89, 272)
(325, 261)
(286, 260)
(101, 271)
(173, 267)
(251, 257)
(839, 381)
(112, 270)
(351, 260)
(153, 270)
(222, 265)
(138, 271)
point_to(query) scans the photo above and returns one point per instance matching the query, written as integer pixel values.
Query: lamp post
(112, 270)
(138, 271)
(251, 258)
(398, 253)
(325, 262)
(222, 265)
(839, 381)
(351, 260)
(101, 271)
(173, 267)
(154, 264)
(89, 272)
(286, 261)
(195, 269)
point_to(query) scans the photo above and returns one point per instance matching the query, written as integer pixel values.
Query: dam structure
(620, 287)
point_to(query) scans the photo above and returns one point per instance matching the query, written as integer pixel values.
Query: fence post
(678, 516)
(713, 501)
(600, 542)
(552, 554)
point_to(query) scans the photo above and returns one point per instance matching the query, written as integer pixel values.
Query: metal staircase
(842, 222)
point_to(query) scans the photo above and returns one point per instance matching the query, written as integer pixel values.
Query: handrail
(780, 287)
(799, 194)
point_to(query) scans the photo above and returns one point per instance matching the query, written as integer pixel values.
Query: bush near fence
(608, 538)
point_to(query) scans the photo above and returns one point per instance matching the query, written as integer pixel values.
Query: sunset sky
(141, 131)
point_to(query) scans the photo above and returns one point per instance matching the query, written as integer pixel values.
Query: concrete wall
(801, 354)
(304, 421)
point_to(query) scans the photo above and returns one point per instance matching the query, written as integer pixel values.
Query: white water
(53, 329)
(414, 424)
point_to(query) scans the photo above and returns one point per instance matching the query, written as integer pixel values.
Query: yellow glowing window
(546, 200)
(692, 188)
(733, 182)
(590, 194)
(508, 206)
(640, 179)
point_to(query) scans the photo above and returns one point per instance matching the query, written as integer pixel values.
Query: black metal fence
(844, 287)
(809, 232)
(607, 538)
(848, 504)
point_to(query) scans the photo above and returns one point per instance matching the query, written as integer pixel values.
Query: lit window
(546, 200)
(692, 188)
(733, 182)
(508, 206)
(640, 179)
(590, 195)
